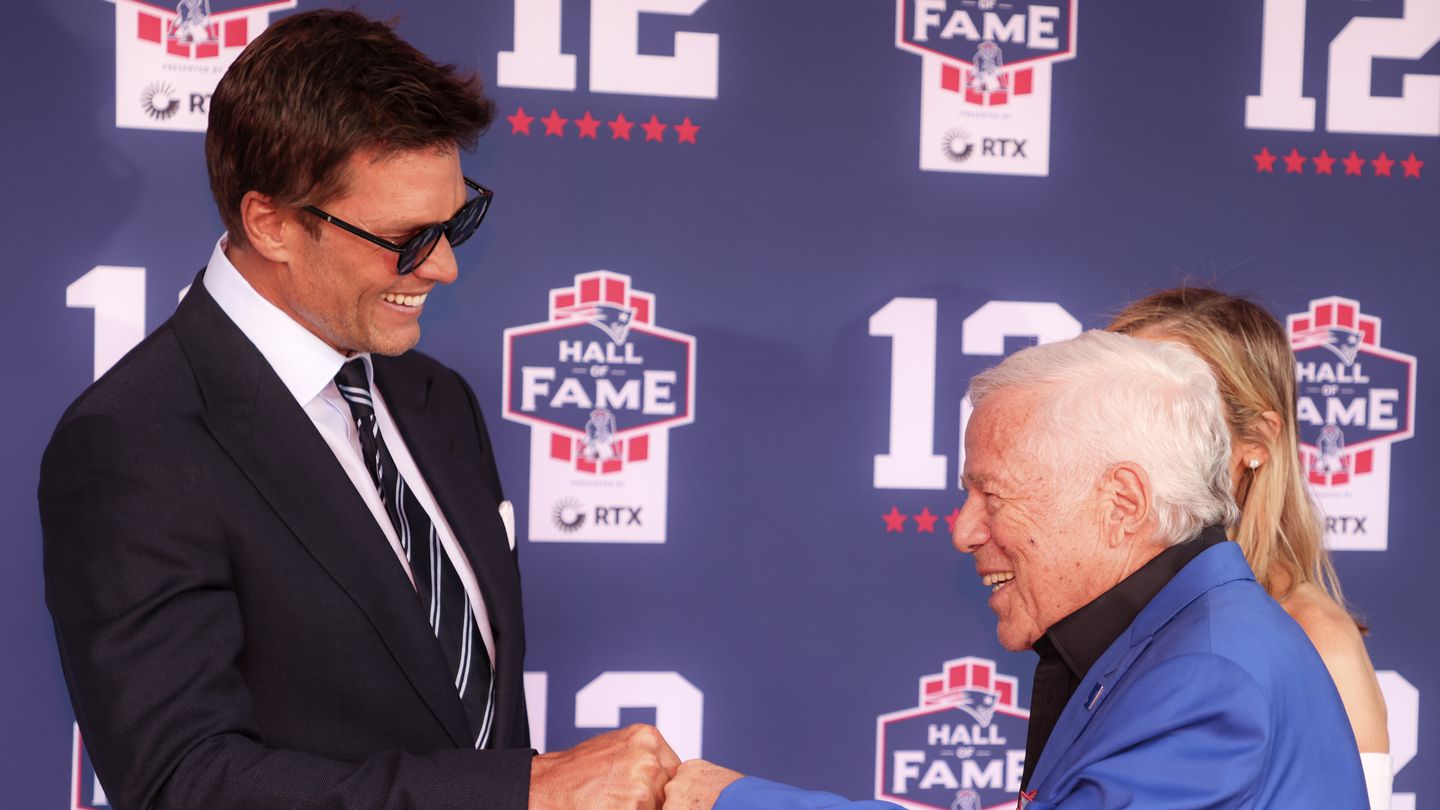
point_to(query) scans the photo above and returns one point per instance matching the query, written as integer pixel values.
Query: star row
(1324, 163)
(588, 126)
(895, 520)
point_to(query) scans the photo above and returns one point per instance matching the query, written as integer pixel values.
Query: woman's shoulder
(1336, 637)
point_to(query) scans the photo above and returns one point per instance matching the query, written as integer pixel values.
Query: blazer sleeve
(150, 631)
(751, 793)
(1192, 732)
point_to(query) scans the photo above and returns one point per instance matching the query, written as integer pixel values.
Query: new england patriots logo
(966, 800)
(1344, 342)
(612, 319)
(979, 704)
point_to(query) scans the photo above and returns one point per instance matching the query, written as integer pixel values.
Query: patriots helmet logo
(612, 319)
(1344, 342)
(979, 704)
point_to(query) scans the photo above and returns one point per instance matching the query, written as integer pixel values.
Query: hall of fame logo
(985, 80)
(168, 61)
(961, 748)
(1354, 400)
(600, 386)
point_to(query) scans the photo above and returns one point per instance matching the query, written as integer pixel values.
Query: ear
(267, 227)
(1126, 503)
(1268, 426)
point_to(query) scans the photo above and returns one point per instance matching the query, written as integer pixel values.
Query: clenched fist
(626, 769)
(697, 785)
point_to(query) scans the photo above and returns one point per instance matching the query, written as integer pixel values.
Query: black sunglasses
(418, 248)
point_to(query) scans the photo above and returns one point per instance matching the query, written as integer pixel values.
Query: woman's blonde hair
(1280, 528)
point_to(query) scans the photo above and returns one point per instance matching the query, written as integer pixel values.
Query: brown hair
(314, 89)
(1249, 352)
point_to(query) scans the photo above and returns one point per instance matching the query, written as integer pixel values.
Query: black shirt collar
(1083, 636)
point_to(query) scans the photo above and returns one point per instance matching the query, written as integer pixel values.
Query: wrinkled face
(344, 288)
(1031, 550)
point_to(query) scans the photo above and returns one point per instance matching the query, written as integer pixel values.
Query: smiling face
(1037, 554)
(345, 289)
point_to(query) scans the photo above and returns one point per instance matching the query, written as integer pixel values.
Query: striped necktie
(436, 580)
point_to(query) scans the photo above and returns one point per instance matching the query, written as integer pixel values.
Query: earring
(1254, 463)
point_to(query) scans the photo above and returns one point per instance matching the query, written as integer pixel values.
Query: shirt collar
(1083, 636)
(304, 362)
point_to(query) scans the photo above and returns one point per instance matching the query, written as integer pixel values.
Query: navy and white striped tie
(436, 580)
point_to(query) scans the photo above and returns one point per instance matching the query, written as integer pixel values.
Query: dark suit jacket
(233, 625)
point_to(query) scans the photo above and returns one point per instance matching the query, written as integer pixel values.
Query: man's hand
(697, 785)
(619, 769)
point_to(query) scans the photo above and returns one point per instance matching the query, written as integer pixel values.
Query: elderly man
(280, 564)
(1098, 491)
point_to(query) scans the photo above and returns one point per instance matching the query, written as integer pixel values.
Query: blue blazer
(1212, 698)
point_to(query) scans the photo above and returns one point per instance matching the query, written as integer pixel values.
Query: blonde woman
(1280, 529)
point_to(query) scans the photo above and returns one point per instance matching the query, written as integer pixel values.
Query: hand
(627, 769)
(697, 785)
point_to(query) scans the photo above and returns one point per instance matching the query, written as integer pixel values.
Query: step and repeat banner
(743, 257)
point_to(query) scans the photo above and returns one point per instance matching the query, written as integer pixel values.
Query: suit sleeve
(150, 632)
(1192, 733)
(758, 794)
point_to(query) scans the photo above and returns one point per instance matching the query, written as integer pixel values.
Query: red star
(520, 122)
(1354, 164)
(588, 125)
(686, 130)
(1382, 165)
(1412, 166)
(952, 517)
(620, 128)
(894, 521)
(1294, 162)
(1324, 164)
(1264, 162)
(654, 130)
(925, 522)
(554, 124)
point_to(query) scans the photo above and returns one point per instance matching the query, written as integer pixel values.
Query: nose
(971, 531)
(440, 267)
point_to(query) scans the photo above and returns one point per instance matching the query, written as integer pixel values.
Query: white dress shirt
(307, 366)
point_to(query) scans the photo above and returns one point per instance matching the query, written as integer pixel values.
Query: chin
(392, 345)
(1013, 639)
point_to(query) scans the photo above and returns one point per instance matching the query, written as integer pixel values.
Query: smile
(997, 580)
(404, 300)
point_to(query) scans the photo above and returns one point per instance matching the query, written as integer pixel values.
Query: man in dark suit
(277, 553)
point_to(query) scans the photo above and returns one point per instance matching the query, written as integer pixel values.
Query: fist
(697, 785)
(625, 769)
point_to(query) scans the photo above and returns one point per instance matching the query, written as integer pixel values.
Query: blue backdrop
(827, 216)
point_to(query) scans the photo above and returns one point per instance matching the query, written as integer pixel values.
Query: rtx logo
(569, 515)
(1003, 147)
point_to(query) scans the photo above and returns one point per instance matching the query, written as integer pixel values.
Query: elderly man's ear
(1125, 504)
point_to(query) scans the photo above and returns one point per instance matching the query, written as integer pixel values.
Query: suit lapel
(268, 435)
(442, 448)
(1215, 566)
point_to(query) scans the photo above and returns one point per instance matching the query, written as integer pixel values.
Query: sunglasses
(415, 250)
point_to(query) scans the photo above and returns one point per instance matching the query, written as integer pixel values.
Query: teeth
(404, 300)
(995, 581)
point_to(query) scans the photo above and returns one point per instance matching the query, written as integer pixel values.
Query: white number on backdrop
(911, 462)
(1402, 705)
(1349, 105)
(910, 323)
(984, 333)
(679, 706)
(1351, 108)
(616, 64)
(117, 294)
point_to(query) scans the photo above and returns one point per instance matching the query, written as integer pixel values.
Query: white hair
(1107, 398)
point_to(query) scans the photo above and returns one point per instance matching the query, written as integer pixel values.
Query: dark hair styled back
(313, 90)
